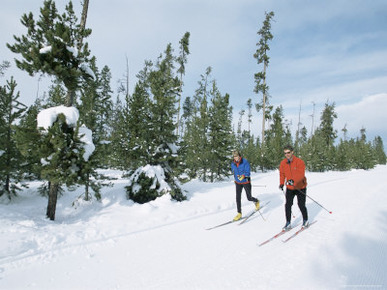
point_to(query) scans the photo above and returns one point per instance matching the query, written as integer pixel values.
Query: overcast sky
(322, 51)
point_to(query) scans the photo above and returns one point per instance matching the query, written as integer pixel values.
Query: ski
(252, 213)
(299, 231)
(275, 236)
(221, 225)
(243, 219)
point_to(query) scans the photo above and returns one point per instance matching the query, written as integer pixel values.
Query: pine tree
(164, 86)
(137, 115)
(182, 60)
(208, 138)
(10, 158)
(27, 141)
(117, 136)
(365, 157)
(302, 140)
(63, 153)
(160, 138)
(96, 105)
(260, 77)
(184, 172)
(105, 106)
(326, 129)
(54, 45)
(196, 144)
(51, 46)
(220, 131)
(188, 113)
(252, 152)
(95, 110)
(379, 150)
(321, 146)
(276, 140)
(314, 157)
(105, 103)
(344, 155)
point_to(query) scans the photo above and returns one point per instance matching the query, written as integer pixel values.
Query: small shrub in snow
(150, 182)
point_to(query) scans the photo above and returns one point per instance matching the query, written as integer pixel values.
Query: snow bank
(118, 244)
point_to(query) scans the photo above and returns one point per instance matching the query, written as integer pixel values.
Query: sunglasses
(287, 152)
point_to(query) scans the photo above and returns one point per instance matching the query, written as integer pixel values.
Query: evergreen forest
(156, 128)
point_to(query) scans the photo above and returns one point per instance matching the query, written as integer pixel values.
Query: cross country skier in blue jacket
(240, 167)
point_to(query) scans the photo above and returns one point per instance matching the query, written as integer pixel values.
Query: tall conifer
(10, 158)
(220, 132)
(262, 57)
(54, 45)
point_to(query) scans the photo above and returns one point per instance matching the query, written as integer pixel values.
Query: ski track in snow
(116, 244)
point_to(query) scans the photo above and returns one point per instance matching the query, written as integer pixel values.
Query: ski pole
(314, 201)
(261, 215)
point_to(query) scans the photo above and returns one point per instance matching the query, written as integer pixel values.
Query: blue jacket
(239, 169)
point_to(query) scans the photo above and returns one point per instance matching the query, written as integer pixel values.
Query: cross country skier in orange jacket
(292, 172)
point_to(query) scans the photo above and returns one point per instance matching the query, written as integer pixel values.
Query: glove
(291, 182)
(281, 187)
(241, 177)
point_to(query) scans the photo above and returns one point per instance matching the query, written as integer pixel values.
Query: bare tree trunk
(84, 13)
(87, 197)
(264, 115)
(127, 77)
(83, 20)
(52, 198)
(178, 109)
(312, 129)
(70, 97)
(8, 163)
(298, 128)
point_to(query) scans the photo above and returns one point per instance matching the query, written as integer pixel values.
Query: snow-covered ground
(116, 244)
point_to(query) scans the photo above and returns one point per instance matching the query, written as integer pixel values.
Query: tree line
(157, 137)
(321, 150)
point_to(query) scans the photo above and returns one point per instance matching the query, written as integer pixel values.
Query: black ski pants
(239, 187)
(301, 199)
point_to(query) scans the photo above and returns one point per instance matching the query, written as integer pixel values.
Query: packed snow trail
(116, 244)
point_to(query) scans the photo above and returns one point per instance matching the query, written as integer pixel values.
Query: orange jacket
(295, 170)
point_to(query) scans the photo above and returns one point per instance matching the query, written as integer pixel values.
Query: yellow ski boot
(257, 206)
(237, 217)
